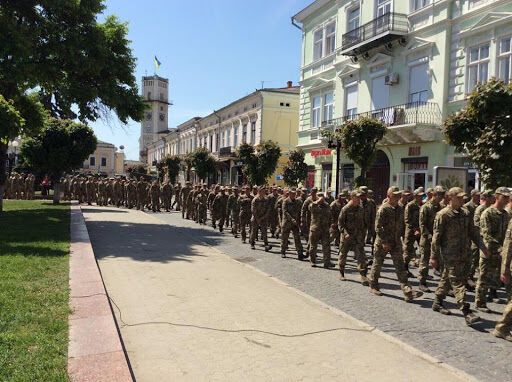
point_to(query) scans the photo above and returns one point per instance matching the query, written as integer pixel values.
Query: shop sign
(416, 166)
(463, 162)
(279, 177)
(320, 152)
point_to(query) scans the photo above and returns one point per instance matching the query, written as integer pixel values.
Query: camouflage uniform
(412, 227)
(474, 261)
(141, 194)
(89, 185)
(279, 208)
(183, 199)
(290, 221)
(233, 210)
(132, 194)
(389, 228)
(201, 199)
(334, 231)
(245, 202)
(259, 209)
(272, 213)
(493, 228)
(319, 231)
(504, 325)
(305, 216)
(351, 228)
(177, 197)
(191, 210)
(428, 213)
(219, 209)
(154, 191)
(166, 195)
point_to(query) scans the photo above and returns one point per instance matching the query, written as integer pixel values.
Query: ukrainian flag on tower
(157, 64)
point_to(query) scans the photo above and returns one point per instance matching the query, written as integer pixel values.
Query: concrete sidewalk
(189, 312)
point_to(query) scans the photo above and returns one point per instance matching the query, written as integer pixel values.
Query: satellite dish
(121, 147)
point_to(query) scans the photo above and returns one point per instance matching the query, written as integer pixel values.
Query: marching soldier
(291, 209)
(154, 191)
(319, 230)
(259, 209)
(336, 207)
(389, 228)
(183, 199)
(351, 228)
(412, 228)
(486, 200)
(233, 211)
(219, 209)
(245, 203)
(166, 194)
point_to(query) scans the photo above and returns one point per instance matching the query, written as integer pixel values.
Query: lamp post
(12, 156)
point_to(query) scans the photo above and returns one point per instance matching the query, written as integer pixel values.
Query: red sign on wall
(320, 152)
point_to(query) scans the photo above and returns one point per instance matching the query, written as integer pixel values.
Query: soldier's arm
(424, 222)
(408, 217)
(342, 219)
(380, 223)
(486, 232)
(506, 252)
(439, 226)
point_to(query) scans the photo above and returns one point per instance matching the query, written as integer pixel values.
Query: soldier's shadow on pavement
(90, 209)
(162, 243)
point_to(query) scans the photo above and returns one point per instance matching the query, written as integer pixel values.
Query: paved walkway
(189, 312)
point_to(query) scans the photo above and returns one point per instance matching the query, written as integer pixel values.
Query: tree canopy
(259, 162)
(60, 148)
(172, 165)
(296, 170)
(203, 163)
(358, 139)
(483, 131)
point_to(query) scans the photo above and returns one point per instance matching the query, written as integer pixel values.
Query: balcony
(380, 31)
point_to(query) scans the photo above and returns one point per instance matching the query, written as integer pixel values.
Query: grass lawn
(34, 291)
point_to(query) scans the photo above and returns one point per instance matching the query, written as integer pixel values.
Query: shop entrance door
(378, 176)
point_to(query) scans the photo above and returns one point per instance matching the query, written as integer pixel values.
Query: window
(330, 38)
(223, 138)
(476, 3)
(92, 161)
(235, 138)
(383, 7)
(324, 41)
(418, 4)
(318, 44)
(217, 141)
(244, 133)
(418, 83)
(315, 111)
(103, 162)
(149, 95)
(505, 59)
(353, 19)
(253, 133)
(478, 66)
(351, 100)
(328, 101)
(228, 137)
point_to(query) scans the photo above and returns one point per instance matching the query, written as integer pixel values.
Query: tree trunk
(3, 172)
(56, 193)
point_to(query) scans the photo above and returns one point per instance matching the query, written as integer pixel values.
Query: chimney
(290, 84)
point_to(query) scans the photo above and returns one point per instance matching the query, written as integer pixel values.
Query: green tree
(358, 139)
(296, 170)
(172, 166)
(136, 171)
(203, 163)
(259, 162)
(483, 131)
(60, 148)
(81, 67)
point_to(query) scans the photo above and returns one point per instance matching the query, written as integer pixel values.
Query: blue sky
(213, 52)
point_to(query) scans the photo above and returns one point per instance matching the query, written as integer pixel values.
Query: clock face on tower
(162, 117)
(148, 116)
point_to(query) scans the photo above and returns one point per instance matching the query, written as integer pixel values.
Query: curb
(409, 348)
(96, 351)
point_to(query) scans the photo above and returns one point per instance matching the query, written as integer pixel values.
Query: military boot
(301, 257)
(438, 307)
(424, 288)
(409, 274)
(342, 276)
(375, 289)
(364, 280)
(283, 254)
(499, 334)
(268, 248)
(469, 316)
(413, 294)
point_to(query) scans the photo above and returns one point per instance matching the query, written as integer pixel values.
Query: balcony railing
(424, 113)
(377, 32)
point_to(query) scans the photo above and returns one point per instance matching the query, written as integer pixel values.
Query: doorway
(378, 176)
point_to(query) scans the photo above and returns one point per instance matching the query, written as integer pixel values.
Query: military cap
(475, 192)
(328, 190)
(439, 190)
(292, 190)
(344, 193)
(394, 190)
(320, 194)
(430, 190)
(419, 191)
(487, 194)
(502, 191)
(355, 193)
(406, 192)
(370, 192)
(314, 189)
(255, 187)
(363, 189)
(456, 191)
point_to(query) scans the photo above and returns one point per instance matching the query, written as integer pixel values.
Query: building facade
(154, 126)
(409, 64)
(106, 160)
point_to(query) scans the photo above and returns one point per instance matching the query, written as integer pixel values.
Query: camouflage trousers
(335, 234)
(245, 222)
(255, 226)
(201, 213)
(408, 248)
(191, 210)
(358, 247)
(183, 207)
(286, 229)
(398, 261)
(234, 222)
(474, 259)
(272, 222)
(425, 244)
(166, 201)
(504, 325)
(155, 203)
(221, 218)
(141, 202)
(319, 235)
(453, 277)
(489, 277)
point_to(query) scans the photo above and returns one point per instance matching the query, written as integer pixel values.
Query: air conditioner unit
(391, 79)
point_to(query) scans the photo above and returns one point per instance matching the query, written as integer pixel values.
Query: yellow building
(105, 160)
(265, 114)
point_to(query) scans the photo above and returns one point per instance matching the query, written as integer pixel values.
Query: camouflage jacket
(370, 211)
(336, 207)
(351, 221)
(219, 205)
(305, 215)
(428, 213)
(506, 252)
(259, 209)
(320, 213)
(233, 206)
(291, 211)
(412, 216)
(389, 225)
(453, 230)
(493, 227)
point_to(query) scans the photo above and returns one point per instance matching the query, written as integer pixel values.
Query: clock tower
(155, 91)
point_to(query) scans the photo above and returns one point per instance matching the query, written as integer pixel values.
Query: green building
(410, 63)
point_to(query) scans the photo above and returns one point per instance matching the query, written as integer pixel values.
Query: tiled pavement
(446, 338)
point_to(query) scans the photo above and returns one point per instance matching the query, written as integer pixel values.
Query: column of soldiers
(20, 186)
(465, 239)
